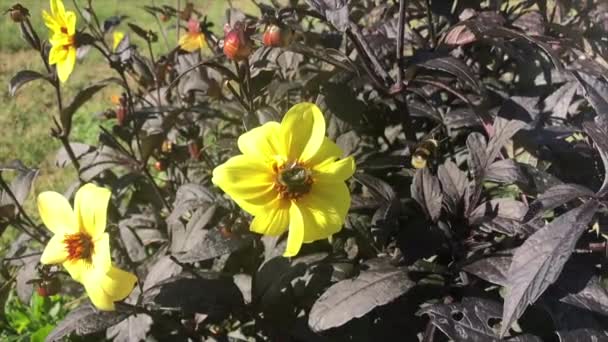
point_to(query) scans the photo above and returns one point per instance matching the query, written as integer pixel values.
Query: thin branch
(400, 34)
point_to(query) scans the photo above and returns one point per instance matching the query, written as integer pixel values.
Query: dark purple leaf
(493, 268)
(506, 171)
(160, 270)
(426, 191)
(23, 77)
(470, 320)
(596, 92)
(555, 197)
(449, 64)
(453, 184)
(63, 159)
(335, 11)
(504, 130)
(598, 133)
(538, 262)
(353, 298)
(478, 162)
(531, 23)
(502, 215)
(133, 329)
(379, 188)
(85, 320)
(212, 245)
(558, 103)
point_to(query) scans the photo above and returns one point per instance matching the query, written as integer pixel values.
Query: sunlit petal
(101, 258)
(66, 66)
(77, 268)
(274, 220)
(324, 210)
(261, 142)
(295, 236)
(50, 22)
(99, 298)
(70, 21)
(302, 131)
(248, 181)
(56, 213)
(91, 206)
(118, 284)
(338, 171)
(55, 251)
(328, 152)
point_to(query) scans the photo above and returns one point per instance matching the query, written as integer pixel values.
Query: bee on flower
(290, 177)
(81, 244)
(62, 24)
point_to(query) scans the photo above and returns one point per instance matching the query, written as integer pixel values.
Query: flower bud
(237, 44)
(48, 287)
(160, 165)
(121, 115)
(277, 36)
(18, 13)
(194, 150)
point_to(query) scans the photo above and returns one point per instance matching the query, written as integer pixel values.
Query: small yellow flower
(194, 39)
(117, 37)
(290, 176)
(62, 24)
(81, 245)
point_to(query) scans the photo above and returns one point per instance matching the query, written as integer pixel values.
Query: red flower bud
(160, 165)
(48, 287)
(237, 45)
(194, 150)
(277, 36)
(121, 115)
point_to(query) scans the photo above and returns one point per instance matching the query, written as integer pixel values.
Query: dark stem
(429, 19)
(21, 210)
(64, 132)
(156, 189)
(156, 82)
(400, 34)
(429, 332)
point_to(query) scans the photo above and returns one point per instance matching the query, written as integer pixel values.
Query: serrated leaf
(353, 298)
(554, 197)
(504, 130)
(538, 262)
(133, 329)
(23, 77)
(470, 320)
(212, 245)
(426, 191)
(85, 320)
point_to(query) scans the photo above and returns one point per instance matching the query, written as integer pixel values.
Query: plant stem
(63, 131)
(21, 210)
(431, 24)
(400, 34)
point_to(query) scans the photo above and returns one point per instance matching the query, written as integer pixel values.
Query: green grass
(26, 119)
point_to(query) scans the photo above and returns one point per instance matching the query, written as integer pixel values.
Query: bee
(425, 150)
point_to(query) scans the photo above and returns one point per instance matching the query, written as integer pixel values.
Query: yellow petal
(91, 206)
(117, 37)
(261, 142)
(55, 251)
(274, 220)
(57, 8)
(50, 22)
(295, 236)
(70, 21)
(77, 268)
(337, 171)
(324, 209)
(102, 258)
(66, 66)
(302, 132)
(247, 181)
(328, 152)
(189, 42)
(118, 284)
(98, 296)
(57, 54)
(56, 213)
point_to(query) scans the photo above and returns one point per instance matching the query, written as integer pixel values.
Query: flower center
(64, 30)
(293, 180)
(79, 246)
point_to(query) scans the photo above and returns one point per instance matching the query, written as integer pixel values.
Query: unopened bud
(18, 13)
(237, 45)
(277, 36)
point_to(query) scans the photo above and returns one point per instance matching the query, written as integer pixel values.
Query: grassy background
(26, 119)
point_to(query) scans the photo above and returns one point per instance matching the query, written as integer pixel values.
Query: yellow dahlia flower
(81, 245)
(290, 177)
(62, 24)
(194, 39)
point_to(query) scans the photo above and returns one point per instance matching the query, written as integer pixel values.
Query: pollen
(292, 180)
(79, 246)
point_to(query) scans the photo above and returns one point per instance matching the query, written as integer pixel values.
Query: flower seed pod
(277, 36)
(18, 13)
(237, 44)
(48, 287)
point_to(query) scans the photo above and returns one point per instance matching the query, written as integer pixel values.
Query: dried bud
(237, 44)
(48, 287)
(18, 13)
(160, 165)
(194, 150)
(277, 36)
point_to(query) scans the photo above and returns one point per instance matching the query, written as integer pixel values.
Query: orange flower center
(292, 180)
(79, 246)
(64, 30)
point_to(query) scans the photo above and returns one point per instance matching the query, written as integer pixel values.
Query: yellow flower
(194, 39)
(81, 245)
(117, 37)
(290, 176)
(62, 24)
